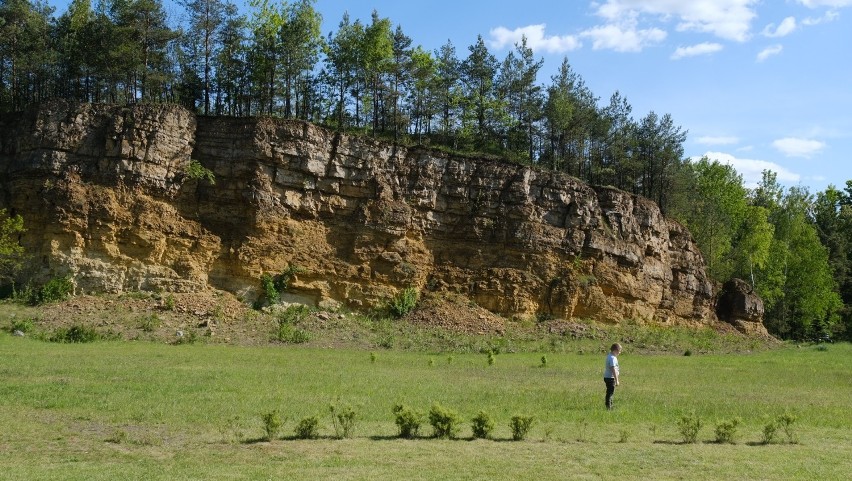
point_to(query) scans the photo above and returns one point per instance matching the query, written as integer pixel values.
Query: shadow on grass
(433, 438)
(290, 438)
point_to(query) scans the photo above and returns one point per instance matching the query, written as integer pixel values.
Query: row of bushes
(445, 423)
(690, 424)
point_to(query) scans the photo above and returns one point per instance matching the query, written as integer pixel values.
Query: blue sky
(758, 84)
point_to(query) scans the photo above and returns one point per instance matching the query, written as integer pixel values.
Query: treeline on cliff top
(795, 248)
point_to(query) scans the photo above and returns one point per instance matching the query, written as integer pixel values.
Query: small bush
(482, 425)
(24, 325)
(769, 432)
(308, 428)
(294, 314)
(408, 421)
(273, 285)
(403, 302)
(292, 335)
(520, 426)
(188, 337)
(688, 425)
(150, 323)
(54, 290)
(272, 423)
(543, 361)
(287, 319)
(169, 302)
(491, 358)
(726, 431)
(445, 422)
(75, 334)
(196, 171)
(343, 419)
(785, 422)
(267, 284)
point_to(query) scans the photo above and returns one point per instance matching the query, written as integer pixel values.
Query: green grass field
(141, 410)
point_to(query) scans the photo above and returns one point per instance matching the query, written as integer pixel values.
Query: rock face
(106, 198)
(739, 305)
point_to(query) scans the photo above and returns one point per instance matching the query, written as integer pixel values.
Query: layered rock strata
(106, 198)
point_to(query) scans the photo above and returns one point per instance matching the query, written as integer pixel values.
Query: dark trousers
(610, 390)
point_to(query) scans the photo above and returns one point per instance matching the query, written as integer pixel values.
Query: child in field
(611, 373)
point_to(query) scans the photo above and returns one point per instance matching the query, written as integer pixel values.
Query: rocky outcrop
(740, 306)
(106, 198)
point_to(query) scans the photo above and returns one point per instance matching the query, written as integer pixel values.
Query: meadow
(145, 410)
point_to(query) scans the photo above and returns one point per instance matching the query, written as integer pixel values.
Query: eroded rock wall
(106, 198)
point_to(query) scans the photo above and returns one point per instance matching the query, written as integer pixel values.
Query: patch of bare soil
(455, 313)
(171, 317)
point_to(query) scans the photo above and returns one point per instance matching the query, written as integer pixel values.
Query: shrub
(150, 323)
(445, 422)
(688, 425)
(189, 337)
(343, 419)
(169, 302)
(270, 293)
(491, 358)
(292, 335)
(785, 422)
(482, 425)
(54, 290)
(520, 426)
(196, 171)
(403, 302)
(726, 431)
(272, 286)
(292, 315)
(769, 432)
(75, 334)
(408, 421)
(308, 428)
(272, 423)
(11, 251)
(24, 325)
(543, 361)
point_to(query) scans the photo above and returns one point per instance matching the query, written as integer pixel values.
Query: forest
(368, 77)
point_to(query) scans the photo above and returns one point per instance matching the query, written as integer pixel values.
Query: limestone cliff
(105, 196)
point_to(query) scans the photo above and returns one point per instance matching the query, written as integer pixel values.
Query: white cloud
(797, 147)
(787, 26)
(829, 16)
(752, 169)
(710, 140)
(826, 3)
(536, 39)
(769, 51)
(705, 48)
(728, 19)
(623, 37)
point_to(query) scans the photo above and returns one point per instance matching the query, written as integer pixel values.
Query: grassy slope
(135, 410)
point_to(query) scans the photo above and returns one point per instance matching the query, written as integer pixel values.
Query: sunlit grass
(135, 410)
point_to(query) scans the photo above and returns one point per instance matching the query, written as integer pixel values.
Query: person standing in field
(611, 373)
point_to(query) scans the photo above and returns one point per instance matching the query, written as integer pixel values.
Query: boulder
(740, 305)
